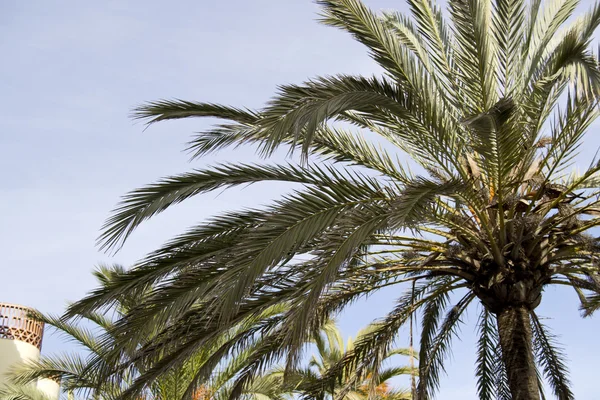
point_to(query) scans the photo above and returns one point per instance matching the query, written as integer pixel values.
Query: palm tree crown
(491, 104)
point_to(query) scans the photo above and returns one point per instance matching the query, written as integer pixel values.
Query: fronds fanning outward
(488, 104)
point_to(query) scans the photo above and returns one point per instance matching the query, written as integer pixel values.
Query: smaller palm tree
(331, 350)
(84, 372)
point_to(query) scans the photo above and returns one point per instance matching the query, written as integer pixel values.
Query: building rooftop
(16, 324)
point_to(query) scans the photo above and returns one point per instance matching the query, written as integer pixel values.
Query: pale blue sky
(72, 71)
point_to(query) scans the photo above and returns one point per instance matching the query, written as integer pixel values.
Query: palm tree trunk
(514, 328)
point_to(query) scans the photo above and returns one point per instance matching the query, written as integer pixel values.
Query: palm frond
(554, 14)
(432, 315)
(567, 132)
(70, 369)
(78, 334)
(391, 372)
(415, 200)
(142, 204)
(370, 30)
(432, 364)
(176, 109)
(19, 392)
(433, 32)
(474, 53)
(551, 359)
(487, 359)
(338, 255)
(508, 25)
(501, 380)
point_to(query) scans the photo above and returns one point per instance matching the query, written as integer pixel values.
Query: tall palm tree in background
(93, 332)
(456, 179)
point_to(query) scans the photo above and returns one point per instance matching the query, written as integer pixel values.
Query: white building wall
(14, 352)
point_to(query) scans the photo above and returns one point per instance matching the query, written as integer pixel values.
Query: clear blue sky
(71, 72)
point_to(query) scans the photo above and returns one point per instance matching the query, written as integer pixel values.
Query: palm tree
(490, 104)
(331, 351)
(93, 332)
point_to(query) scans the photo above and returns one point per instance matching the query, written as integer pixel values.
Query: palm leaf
(431, 365)
(551, 359)
(486, 366)
(176, 109)
(144, 203)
